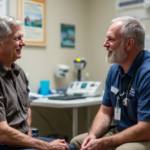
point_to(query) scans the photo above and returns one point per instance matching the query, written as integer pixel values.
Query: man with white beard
(127, 93)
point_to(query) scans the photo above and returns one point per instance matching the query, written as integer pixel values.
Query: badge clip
(125, 102)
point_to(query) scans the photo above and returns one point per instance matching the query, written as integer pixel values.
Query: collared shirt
(14, 99)
(138, 108)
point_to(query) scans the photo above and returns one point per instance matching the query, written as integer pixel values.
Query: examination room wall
(91, 19)
(43, 60)
(40, 62)
(101, 13)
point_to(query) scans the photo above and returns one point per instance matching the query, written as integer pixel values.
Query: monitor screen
(83, 85)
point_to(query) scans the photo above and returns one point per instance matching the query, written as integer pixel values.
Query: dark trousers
(5, 147)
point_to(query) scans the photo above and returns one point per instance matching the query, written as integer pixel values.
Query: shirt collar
(15, 69)
(4, 69)
(132, 70)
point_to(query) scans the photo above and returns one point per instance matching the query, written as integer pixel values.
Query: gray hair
(6, 22)
(132, 29)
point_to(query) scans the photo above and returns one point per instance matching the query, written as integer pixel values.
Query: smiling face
(10, 49)
(114, 44)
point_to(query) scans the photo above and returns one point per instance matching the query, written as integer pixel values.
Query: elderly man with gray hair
(15, 113)
(127, 92)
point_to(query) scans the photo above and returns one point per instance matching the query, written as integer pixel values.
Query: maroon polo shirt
(14, 99)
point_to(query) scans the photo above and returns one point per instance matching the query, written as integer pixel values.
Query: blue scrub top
(138, 108)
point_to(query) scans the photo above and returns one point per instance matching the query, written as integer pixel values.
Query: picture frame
(32, 13)
(67, 35)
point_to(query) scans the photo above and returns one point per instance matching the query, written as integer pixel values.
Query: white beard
(116, 56)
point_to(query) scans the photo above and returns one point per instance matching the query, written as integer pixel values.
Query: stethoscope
(126, 92)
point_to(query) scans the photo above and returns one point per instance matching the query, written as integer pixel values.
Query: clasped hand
(58, 145)
(91, 143)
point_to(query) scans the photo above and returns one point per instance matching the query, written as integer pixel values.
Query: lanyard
(125, 101)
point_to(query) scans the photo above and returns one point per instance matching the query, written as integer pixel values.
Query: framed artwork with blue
(33, 14)
(67, 35)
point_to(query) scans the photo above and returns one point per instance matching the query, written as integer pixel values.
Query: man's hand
(58, 145)
(87, 140)
(94, 144)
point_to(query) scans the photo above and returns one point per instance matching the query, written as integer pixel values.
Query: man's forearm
(29, 122)
(13, 137)
(29, 117)
(100, 124)
(139, 132)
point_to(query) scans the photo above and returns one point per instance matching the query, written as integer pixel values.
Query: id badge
(117, 113)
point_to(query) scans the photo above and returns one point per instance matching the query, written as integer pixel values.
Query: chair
(113, 126)
(34, 130)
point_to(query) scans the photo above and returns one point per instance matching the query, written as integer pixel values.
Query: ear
(129, 44)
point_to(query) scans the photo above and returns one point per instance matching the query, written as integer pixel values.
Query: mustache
(18, 48)
(109, 49)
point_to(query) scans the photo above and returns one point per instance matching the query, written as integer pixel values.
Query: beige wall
(101, 13)
(43, 60)
(40, 62)
(91, 19)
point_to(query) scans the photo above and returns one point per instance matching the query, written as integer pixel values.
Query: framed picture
(67, 35)
(32, 13)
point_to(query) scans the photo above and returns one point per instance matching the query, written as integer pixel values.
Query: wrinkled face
(114, 44)
(12, 46)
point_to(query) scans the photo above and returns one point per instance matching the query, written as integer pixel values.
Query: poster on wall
(32, 13)
(67, 35)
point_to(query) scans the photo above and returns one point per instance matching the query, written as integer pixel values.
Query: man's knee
(74, 141)
(71, 147)
(77, 141)
(135, 146)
